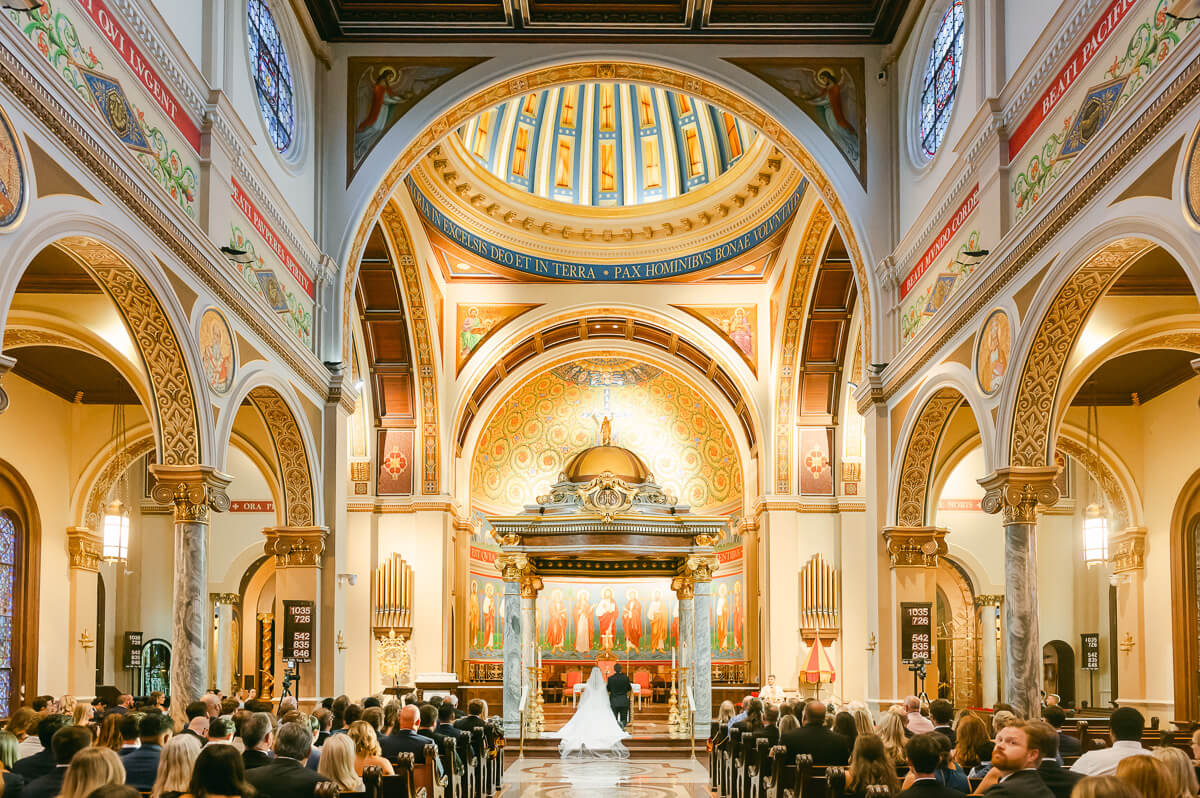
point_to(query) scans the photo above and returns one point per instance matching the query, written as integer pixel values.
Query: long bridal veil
(593, 732)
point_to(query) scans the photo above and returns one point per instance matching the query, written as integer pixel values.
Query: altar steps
(651, 739)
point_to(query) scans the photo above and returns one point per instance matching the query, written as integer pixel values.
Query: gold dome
(595, 460)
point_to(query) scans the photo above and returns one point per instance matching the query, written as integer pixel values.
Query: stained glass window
(272, 75)
(8, 578)
(942, 72)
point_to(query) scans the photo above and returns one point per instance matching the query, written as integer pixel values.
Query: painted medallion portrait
(13, 186)
(216, 351)
(991, 358)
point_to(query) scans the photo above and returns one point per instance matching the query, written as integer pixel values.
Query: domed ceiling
(607, 144)
(664, 420)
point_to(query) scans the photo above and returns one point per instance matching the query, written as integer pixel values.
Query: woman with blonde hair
(788, 723)
(1103, 787)
(891, 731)
(724, 715)
(337, 763)
(1181, 770)
(175, 765)
(1145, 774)
(366, 748)
(67, 705)
(870, 763)
(110, 732)
(83, 713)
(862, 720)
(92, 768)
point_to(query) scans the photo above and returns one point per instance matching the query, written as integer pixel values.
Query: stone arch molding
(550, 76)
(294, 465)
(1030, 415)
(921, 435)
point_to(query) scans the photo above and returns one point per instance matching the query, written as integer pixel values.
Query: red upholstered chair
(573, 678)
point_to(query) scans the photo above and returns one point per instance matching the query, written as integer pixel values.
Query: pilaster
(84, 548)
(224, 645)
(1128, 555)
(6, 364)
(299, 553)
(988, 606)
(913, 554)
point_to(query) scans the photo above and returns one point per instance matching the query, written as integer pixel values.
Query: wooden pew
(759, 766)
(494, 762)
(722, 751)
(425, 775)
(400, 785)
(451, 769)
(744, 757)
(732, 755)
(471, 769)
(327, 789)
(481, 779)
(835, 781)
(372, 776)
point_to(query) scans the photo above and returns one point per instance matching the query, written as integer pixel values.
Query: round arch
(1030, 409)
(515, 381)
(1185, 623)
(411, 144)
(157, 327)
(920, 437)
(295, 462)
(17, 499)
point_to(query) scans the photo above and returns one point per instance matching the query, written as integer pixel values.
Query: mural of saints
(721, 610)
(631, 619)
(491, 615)
(556, 623)
(658, 622)
(738, 613)
(606, 615)
(994, 346)
(473, 614)
(583, 622)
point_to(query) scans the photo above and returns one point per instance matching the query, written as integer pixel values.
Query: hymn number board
(916, 631)
(297, 630)
(1091, 651)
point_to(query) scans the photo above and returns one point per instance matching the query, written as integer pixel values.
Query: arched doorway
(156, 667)
(1185, 598)
(957, 657)
(1058, 671)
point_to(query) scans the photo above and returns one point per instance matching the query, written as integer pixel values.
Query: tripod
(918, 671)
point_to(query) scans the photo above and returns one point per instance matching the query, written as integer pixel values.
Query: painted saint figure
(606, 617)
(489, 615)
(583, 622)
(473, 614)
(737, 613)
(556, 622)
(721, 609)
(631, 619)
(657, 611)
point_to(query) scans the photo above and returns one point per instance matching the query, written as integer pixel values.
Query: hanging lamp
(115, 523)
(1095, 519)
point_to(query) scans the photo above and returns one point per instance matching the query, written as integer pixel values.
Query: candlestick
(672, 657)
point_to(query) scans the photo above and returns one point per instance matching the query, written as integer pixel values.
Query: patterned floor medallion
(553, 778)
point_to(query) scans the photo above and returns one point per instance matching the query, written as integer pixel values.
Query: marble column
(530, 585)
(298, 552)
(84, 548)
(913, 554)
(1016, 493)
(685, 592)
(701, 667)
(989, 684)
(513, 677)
(1127, 552)
(193, 491)
(224, 643)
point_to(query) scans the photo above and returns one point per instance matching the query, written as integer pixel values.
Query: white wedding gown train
(593, 731)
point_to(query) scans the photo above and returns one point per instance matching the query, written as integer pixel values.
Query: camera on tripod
(917, 666)
(290, 676)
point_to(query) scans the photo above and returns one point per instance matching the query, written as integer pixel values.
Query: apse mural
(991, 360)
(728, 606)
(737, 324)
(531, 436)
(476, 322)
(13, 186)
(216, 351)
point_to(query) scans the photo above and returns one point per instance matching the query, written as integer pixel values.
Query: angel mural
(828, 90)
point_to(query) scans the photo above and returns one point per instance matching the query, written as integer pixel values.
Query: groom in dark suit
(619, 688)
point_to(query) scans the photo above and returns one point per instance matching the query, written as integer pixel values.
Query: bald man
(404, 737)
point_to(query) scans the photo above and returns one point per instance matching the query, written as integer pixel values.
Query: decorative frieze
(84, 548)
(989, 600)
(1018, 491)
(191, 490)
(296, 546)
(230, 599)
(1127, 550)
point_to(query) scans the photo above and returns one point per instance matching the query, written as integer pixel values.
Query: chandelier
(1095, 519)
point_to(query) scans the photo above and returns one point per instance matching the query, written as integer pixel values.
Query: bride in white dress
(593, 731)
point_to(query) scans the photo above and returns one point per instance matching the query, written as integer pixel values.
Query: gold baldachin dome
(595, 460)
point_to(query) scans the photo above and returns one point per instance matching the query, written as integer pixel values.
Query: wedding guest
(891, 732)
(870, 764)
(285, 776)
(219, 773)
(90, 769)
(175, 767)
(141, 766)
(914, 721)
(941, 712)
(1015, 760)
(39, 764)
(863, 723)
(1103, 787)
(366, 749)
(1125, 729)
(23, 725)
(65, 744)
(110, 733)
(257, 735)
(825, 747)
(1182, 771)
(1147, 775)
(337, 763)
(220, 730)
(924, 757)
(973, 747)
(844, 725)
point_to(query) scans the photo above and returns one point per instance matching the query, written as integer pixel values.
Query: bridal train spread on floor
(593, 731)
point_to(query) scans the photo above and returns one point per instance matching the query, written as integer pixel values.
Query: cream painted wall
(1024, 22)
(237, 538)
(185, 18)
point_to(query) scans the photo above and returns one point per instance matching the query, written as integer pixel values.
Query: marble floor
(553, 778)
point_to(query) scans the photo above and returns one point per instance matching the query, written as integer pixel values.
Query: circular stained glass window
(272, 75)
(942, 72)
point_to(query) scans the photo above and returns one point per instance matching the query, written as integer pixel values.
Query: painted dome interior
(607, 144)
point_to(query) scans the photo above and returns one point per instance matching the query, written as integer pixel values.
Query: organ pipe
(391, 594)
(820, 596)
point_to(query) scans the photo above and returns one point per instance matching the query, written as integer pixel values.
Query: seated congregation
(381, 746)
(808, 749)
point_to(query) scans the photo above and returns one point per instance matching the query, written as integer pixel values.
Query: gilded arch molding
(549, 77)
(919, 453)
(295, 473)
(109, 474)
(811, 245)
(1033, 415)
(398, 238)
(174, 410)
(1096, 465)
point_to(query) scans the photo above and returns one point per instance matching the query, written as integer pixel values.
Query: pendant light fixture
(116, 512)
(1095, 519)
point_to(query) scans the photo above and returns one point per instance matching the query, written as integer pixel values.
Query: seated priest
(771, 693)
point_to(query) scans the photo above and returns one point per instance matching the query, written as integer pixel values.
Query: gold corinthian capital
(1016, 492)
(192, 490)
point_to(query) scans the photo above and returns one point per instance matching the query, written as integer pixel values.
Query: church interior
(882, 395)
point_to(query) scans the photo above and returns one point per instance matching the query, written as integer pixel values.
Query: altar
(607, 518)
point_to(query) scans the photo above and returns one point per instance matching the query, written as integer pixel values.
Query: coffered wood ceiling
(840, 21)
